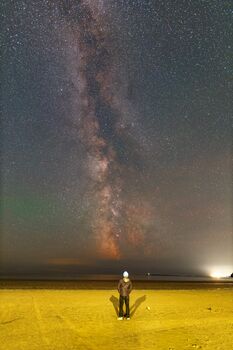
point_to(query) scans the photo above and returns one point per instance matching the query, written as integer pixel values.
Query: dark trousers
(123, 300)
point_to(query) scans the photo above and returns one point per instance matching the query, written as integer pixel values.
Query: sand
(81, 319)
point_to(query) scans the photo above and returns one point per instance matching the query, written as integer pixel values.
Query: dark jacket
(124, 288)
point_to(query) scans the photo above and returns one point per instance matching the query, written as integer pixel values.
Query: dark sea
(112, 277)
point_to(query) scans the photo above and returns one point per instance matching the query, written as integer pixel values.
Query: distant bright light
(217, 274)
(220, 273)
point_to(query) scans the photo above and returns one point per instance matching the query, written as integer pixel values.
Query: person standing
(124, 289)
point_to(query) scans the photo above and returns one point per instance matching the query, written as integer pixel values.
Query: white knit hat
(125, 274)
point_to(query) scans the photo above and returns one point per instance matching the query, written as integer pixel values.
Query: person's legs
(127, 306)
(121, 302)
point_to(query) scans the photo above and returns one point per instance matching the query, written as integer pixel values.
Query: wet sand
(83, 315)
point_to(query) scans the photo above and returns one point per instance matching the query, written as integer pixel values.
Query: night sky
(116, 136)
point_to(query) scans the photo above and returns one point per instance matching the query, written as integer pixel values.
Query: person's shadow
(115, 303)
(134, 307)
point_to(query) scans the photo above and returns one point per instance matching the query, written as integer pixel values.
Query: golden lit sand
(86, 319)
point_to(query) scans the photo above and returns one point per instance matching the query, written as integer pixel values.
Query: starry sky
(116, 136)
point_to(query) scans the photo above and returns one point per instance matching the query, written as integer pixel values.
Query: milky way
(102, 129)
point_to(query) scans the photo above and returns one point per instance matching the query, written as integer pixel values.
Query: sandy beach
(83, 315)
